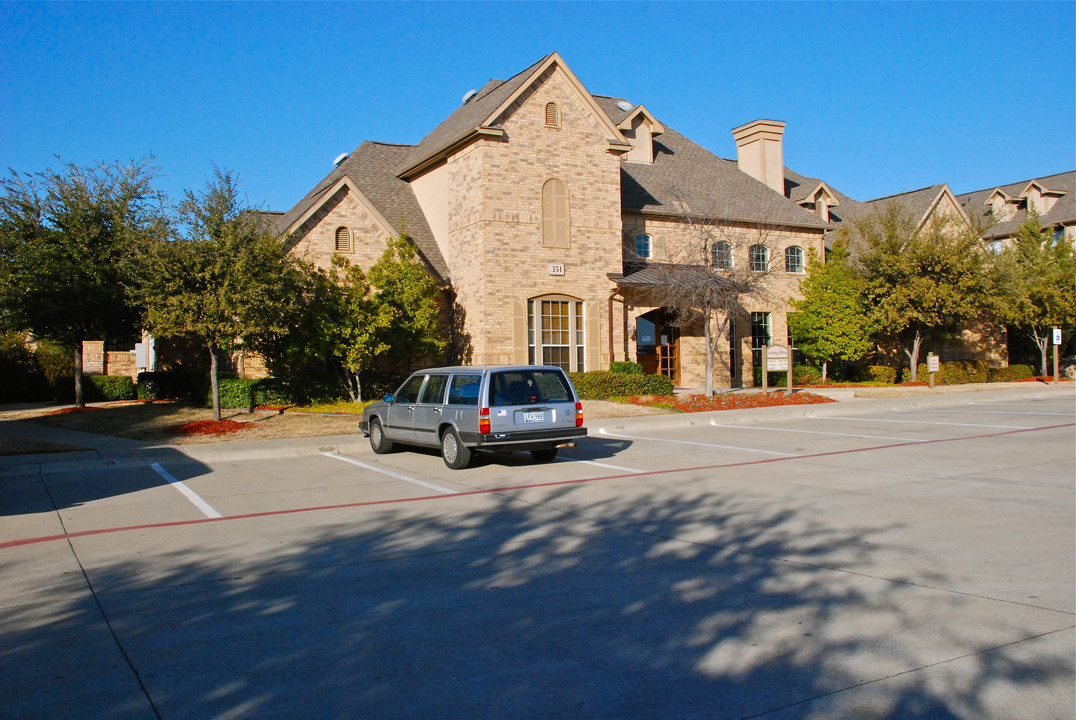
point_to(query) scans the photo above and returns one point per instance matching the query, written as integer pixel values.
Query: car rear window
(464, 390)
(523, 387)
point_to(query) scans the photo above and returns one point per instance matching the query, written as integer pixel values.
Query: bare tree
(707, 278)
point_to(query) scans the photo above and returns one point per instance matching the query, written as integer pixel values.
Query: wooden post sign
(777, 361)
(933, 366)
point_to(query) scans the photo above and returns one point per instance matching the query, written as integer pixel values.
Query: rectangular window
(760, 335)
(464, 390)
(434, 392)
(556, 333)
(642, 245)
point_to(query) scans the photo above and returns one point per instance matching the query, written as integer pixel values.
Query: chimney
(759, 153)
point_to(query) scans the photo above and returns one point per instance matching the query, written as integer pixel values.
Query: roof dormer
(819, 201)
(1039, 198)
(1002, 205)
(640, 128)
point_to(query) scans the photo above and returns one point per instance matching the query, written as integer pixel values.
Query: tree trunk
(913, 355)
(358, 388)
(1042, 342)
(709, 332)
(824, 363)
(80, 398)
(214, 382)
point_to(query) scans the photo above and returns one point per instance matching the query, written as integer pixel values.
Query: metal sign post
(1057, 344)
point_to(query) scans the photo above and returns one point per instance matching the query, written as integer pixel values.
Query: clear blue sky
(878, 98)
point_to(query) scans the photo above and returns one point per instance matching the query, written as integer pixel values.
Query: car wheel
(544, 456)
(378, 442)
(456, 455)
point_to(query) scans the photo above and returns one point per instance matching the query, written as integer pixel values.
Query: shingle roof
(711, 186)
(916, 202)
(372, 168)
(1062, 213)
(467, 116)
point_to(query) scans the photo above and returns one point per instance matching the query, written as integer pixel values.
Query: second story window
(555, 221)
(343, 240)
(794, 259)
(722, 255)
(760, 258)
(643, 245)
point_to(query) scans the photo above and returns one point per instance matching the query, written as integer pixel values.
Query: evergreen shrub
(603, 384)
(626, 368)
(957, 373)
(1010, 373)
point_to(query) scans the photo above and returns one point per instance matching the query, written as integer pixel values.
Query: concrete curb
(853, 406)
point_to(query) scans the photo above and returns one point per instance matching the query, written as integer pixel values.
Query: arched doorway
(657, 344)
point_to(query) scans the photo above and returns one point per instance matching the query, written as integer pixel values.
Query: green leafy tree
(355, 337)
(407, 304)
(920, 282)
(830, 321)
(67, 242)
(1036, 280)
(227, 282)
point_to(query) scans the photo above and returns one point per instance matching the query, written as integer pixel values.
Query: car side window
(464, 390)
(434, 392)
(408, 392)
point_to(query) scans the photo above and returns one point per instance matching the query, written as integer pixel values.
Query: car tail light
(579, 414)
(483, 421)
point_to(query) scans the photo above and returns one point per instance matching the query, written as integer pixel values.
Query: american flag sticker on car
(502, 413)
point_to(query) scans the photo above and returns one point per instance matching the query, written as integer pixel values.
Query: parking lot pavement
(858, 560)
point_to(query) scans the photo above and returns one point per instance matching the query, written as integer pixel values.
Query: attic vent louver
(467, 96)
(340, 158)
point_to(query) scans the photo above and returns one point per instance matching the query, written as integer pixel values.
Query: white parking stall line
(390, 473)
(1039, 403)
(175, 482)
(995, 412)
(602, 465)
(818, 432)
(603, 431)
(917, 422)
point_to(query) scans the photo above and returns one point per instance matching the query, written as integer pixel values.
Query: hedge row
(601, 384)
(273, 392)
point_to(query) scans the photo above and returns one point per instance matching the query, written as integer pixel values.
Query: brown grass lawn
(158, 422)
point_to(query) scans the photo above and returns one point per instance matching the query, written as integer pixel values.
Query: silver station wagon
(526, 408)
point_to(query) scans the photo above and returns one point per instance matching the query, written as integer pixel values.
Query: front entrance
(657, 344)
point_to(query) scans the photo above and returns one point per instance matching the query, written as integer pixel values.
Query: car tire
(544, 456)
(379, 442)
(455, 454)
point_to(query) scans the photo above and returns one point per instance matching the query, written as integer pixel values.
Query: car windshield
(522, 387)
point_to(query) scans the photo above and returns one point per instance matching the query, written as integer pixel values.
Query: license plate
(534, 417)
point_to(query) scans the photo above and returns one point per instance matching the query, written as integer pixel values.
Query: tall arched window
(343, 240)
(552, 115)
(794, 259)
(722, 255)
(760, 258)
(555, 221)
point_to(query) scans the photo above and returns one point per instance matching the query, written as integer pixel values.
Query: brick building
(541, 208)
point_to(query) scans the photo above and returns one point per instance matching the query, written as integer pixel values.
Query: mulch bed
(731, 401)
(208, 427)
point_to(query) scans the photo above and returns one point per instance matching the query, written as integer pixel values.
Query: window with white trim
(794, 259)
(722, 255)
(760, 258)
(556, 332)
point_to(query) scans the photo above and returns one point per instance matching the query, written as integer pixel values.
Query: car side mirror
(388, 398)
